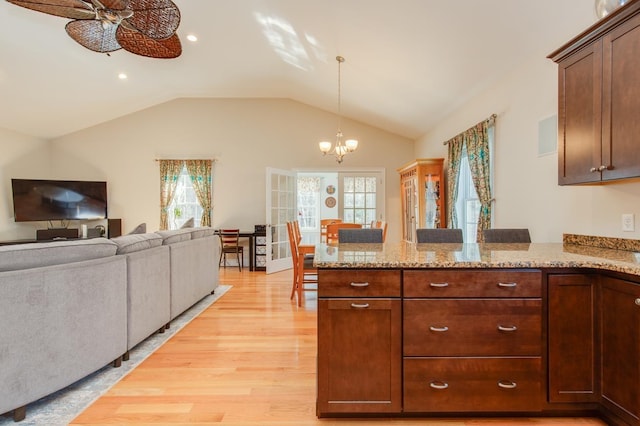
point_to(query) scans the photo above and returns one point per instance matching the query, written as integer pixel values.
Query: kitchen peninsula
(459, 329)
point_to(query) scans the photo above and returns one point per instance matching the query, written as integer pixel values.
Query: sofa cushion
(175, 236)
(137, 242)
(140, 229)
(34, 255)
(202, 232)
(188, 224)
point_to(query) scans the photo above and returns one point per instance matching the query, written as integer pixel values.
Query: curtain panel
(200, 174)
(169, 173)
(476, 141)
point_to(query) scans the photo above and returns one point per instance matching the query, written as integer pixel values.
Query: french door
(281, 208)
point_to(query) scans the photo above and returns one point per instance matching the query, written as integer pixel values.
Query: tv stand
(56, 233)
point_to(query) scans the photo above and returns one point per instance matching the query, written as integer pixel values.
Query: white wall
(245, 135)
(526, 189)
(22, 157)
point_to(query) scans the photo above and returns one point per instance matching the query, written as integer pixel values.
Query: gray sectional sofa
(69, 308)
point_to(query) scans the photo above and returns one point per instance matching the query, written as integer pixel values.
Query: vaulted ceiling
(408, 62)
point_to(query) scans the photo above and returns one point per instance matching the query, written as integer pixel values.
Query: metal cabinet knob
(638, 301)
(601, 168)
(593, 170)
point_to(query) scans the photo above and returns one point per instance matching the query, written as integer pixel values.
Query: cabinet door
(572, 338)
(579, 116)
(359, 356)
(621, 101)
(409, 207)
(620, 312)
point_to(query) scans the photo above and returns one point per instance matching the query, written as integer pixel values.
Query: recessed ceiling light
(122, 76)
(192, 37)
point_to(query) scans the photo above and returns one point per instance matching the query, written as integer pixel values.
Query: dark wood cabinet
(411, 342)
(360, 335)
(620, 351)
(572, 338)
(599, 101)
(472, 341)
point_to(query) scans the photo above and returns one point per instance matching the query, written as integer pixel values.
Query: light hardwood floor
(249, 359)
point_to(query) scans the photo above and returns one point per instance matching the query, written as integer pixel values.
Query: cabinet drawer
(472, 327)
(359, 283)
(472, 384)
(472, 283)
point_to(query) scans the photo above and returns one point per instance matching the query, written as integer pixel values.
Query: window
(185, 204)
(359, 199)
(467, 204)
(308, 203)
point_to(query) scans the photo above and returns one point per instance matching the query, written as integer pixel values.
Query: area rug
(60, 408)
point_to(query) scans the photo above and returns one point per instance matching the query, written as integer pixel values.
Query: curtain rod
(490, 120)
(186, 159)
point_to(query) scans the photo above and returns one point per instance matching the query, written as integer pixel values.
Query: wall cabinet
(599, 101)
(620, 357)
(572, 338)
(422, 186)
(359, 331)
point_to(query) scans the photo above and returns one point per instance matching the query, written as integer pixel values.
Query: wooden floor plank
(249, 359)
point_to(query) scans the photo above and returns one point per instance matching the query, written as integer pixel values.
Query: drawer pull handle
(507, 285)
(439, 329)
(360, 305)
(638, 301)
(507, 327)
(439, 385)
(359, 284)
(439, 285)
(506, 384)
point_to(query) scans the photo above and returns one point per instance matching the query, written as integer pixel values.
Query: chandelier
(341, 146)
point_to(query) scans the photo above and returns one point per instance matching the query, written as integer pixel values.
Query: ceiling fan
(143, 27)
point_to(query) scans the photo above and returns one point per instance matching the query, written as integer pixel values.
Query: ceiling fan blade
(157, 19)
(93, 35)
(73, 9)
(138, 43)
(110, 4)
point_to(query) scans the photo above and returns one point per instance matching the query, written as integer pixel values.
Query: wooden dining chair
(332, 230)
(380, 224)
(323, 228)
(305, 275)
(230, 244)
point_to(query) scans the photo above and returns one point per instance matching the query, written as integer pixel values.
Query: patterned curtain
(455, 147)
(169, 173)
(200, 174)
(309, 184)
(476, 140)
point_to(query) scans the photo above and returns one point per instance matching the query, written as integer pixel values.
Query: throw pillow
(188, 224)
(140, 229)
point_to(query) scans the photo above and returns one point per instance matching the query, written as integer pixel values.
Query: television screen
(35, 200)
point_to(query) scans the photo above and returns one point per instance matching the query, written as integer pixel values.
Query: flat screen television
(49, 200)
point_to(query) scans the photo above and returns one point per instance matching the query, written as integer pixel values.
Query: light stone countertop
(533, 255)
